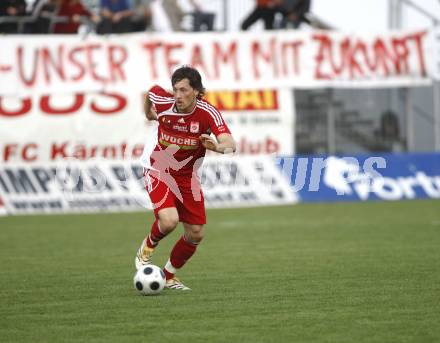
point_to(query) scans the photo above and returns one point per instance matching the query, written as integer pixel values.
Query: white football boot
(176, 284)
(143, 256)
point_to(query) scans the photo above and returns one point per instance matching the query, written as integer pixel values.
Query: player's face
(185, 96)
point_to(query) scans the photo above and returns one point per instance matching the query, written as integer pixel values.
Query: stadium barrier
(96, 185)
(102, 185)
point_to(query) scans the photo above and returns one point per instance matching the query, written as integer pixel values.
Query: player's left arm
(223, 144)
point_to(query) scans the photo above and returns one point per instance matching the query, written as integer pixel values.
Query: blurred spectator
(11, 8)
(141, 18)
(73, 12)
(174, 14)
(42, 11)
(294, 12)
(202, 20)
(389, 132)
(389, 125)
(115, 16)
(265, 10)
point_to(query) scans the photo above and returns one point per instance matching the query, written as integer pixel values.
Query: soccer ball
(149, 280)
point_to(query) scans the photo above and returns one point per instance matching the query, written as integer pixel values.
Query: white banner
(112, 125)
(73, 186)
(46, 64)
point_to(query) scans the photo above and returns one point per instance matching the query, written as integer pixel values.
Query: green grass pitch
(356, 272)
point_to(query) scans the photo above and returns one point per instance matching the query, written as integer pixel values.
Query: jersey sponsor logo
(194, 127)
(180, 128)
(186, 143)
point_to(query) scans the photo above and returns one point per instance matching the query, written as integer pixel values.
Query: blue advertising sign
(363, 177)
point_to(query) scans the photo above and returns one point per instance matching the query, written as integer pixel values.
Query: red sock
(168, 275)
(181, 253)
(155, 235)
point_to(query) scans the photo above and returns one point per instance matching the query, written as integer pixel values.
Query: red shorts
(182, 192)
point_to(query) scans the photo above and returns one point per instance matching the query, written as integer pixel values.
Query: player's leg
(192, 215)
(183, 250)
(166, 222)
(166, 215)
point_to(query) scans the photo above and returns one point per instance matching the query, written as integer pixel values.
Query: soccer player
(185, 123)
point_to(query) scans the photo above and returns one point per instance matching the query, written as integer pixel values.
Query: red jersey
(182, 131)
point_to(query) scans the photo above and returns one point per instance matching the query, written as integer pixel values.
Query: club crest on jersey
(194, 127)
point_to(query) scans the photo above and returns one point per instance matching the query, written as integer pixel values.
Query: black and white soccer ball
(149, 280)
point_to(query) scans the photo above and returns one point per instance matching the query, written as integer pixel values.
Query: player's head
(187, 88)
(193, 76)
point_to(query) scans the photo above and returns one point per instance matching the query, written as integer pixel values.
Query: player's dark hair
(193, 76)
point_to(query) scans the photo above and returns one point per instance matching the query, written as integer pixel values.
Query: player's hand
(208, 142)
(152, 114)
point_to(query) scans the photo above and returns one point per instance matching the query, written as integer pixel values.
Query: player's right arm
(150, 113)
(156, 101)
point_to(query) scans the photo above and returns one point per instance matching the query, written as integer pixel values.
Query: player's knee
(198, 237)
(168, 223)
(196, 234)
